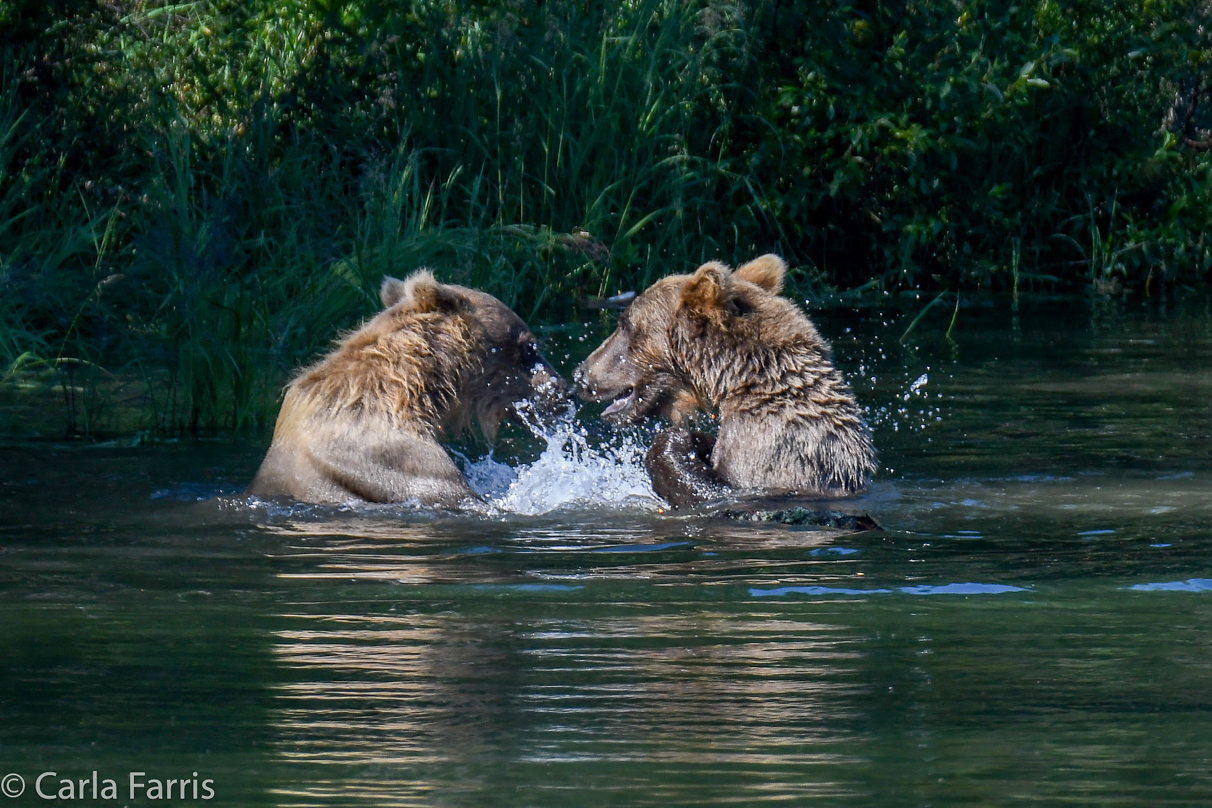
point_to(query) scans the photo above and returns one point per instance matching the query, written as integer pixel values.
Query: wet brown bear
(726, 341)
(364, 423)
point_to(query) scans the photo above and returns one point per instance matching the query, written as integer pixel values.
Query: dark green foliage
(936, 140)
(199, 195)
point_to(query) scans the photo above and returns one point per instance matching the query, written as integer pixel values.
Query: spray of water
(573, 471)
(916, 410)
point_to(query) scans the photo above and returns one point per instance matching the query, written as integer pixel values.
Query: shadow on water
(1028, 626)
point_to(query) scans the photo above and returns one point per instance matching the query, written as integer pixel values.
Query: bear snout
(586, 387)
(549, 392)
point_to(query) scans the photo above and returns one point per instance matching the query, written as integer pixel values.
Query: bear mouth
(622, 403)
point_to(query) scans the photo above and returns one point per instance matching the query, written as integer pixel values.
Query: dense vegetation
(195, 196)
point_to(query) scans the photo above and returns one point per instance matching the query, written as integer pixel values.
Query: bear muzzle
(622, 401)
(549, 393)
(588, 389)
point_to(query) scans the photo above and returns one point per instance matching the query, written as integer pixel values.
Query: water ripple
(1189, 585)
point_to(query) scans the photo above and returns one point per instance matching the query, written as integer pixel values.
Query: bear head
(659, 360)
(500, 364)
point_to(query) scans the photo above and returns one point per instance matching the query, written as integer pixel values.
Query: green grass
(195, 198)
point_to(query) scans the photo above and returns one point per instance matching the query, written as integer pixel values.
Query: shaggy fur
(726, 342)
(364, 423)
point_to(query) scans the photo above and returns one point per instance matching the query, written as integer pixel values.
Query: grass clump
(196, 197)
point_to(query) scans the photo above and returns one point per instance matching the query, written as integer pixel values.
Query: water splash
(571, 472)
(914, 412)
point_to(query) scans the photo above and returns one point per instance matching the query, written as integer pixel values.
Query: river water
(1032, 624)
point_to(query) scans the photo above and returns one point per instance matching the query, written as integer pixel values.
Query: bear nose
(549, 391)
(580, 383)
(558, 386)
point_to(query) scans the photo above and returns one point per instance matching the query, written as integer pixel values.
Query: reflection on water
(508, 687)
(1029, 627)
(545, 701)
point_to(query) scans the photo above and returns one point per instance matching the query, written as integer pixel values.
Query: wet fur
(726, 342)
(366, 421)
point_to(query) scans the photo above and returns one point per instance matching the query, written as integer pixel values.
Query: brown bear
(727, 342)
(364, 423)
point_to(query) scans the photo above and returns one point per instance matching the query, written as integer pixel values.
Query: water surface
(1030, 625)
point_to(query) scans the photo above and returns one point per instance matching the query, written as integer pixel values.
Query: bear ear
(766, 271)
(706, 292)
(420, 292)
(392, 291)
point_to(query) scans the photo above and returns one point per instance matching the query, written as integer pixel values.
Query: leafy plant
(195, 197)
